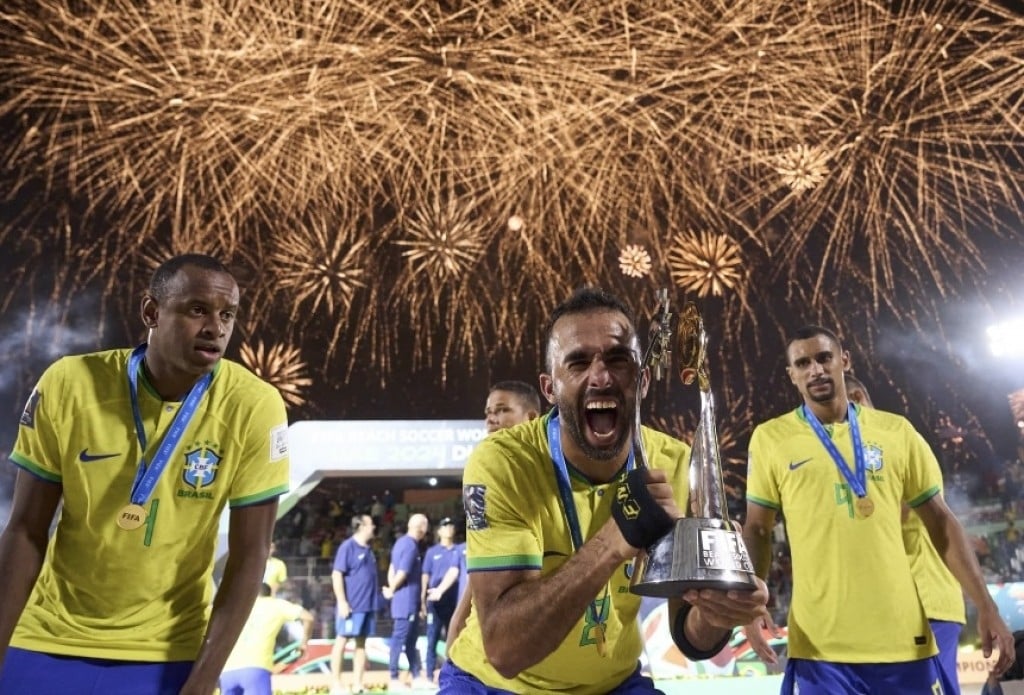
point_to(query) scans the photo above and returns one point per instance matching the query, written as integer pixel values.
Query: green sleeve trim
(258, 497)
(33, 468)
(924, 496)
(504, 562)
(763, 503)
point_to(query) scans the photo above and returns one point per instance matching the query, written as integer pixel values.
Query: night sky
(406, 191)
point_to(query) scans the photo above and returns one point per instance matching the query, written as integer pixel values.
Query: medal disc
(865, 507)
(131, 517)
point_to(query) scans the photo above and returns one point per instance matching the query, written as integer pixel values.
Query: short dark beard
(823, 398)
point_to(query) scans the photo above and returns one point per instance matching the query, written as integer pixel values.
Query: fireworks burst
(705, 263)
(281, 366)
(441, 243)
(634, 261)
(384, 169)
(803, 167)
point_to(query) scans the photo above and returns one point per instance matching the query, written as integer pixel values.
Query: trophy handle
(655, 358)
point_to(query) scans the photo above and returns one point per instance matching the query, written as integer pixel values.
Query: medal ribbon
(147, 476)
(857, 478)
(565, 495)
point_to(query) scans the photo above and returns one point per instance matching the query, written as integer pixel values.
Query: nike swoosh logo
(793, 465)
(86, 457)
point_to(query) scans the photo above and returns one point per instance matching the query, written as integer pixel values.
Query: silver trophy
(705, 549)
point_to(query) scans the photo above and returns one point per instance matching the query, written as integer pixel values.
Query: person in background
(251, 663)
(438, 561)
(938, 589)
(144, 447)
(403, 590)
(276, 572)
(355, 590)
(510, 403)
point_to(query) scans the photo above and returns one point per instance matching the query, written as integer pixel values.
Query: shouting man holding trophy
(559, 510)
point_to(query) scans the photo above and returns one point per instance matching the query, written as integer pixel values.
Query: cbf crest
(873, 458)
(201, 466)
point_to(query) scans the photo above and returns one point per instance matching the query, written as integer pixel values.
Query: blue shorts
(245, 681)
(454, 681)
(39, 673)
(947, 637)
(355, 625)
(808, 677)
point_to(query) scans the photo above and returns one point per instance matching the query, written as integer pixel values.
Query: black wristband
(688, 650)
(640, 519)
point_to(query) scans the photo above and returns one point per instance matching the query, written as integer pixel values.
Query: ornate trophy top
(693, 343)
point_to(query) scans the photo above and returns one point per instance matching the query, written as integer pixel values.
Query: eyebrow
(581, 353)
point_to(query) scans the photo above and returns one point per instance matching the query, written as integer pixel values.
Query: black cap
(447, 521)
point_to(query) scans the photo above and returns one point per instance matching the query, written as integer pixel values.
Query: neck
(170, 386)
(829, 412)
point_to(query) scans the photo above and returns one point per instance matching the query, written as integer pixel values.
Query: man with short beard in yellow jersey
(840, 474)
(556, 511)
(145, 448)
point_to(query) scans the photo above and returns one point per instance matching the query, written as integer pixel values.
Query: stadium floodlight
(1006, 339)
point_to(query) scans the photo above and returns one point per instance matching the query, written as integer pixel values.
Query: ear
(150, 310)
(547, 388)
(846, 361)
(789, 373)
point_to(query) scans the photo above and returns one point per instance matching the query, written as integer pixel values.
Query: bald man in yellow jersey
(840, 474)
(144, 448)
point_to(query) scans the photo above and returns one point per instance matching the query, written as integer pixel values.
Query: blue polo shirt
(358, 566)
(438, 560)
(405, 557)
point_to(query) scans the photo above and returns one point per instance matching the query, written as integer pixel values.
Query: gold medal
(131, 517)
(865, 507)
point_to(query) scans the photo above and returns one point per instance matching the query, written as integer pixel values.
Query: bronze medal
(131, 517)
(865, 507)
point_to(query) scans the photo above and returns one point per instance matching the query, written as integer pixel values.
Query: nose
(214, 325)
(599, 376)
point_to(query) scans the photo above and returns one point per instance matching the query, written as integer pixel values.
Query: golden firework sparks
(803, 167)
(247, 119)
(321, 266)
(634, 261)
(705, 263)
(441, 242)
(279, 365)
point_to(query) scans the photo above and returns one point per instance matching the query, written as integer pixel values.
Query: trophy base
(696, 554)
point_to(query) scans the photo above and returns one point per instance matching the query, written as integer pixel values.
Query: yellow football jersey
(854, 598)
(255, 646)
(142, 594)
(515, 520)
(939, 590)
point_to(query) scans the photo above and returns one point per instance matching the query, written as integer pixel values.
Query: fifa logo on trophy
(705, 549)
